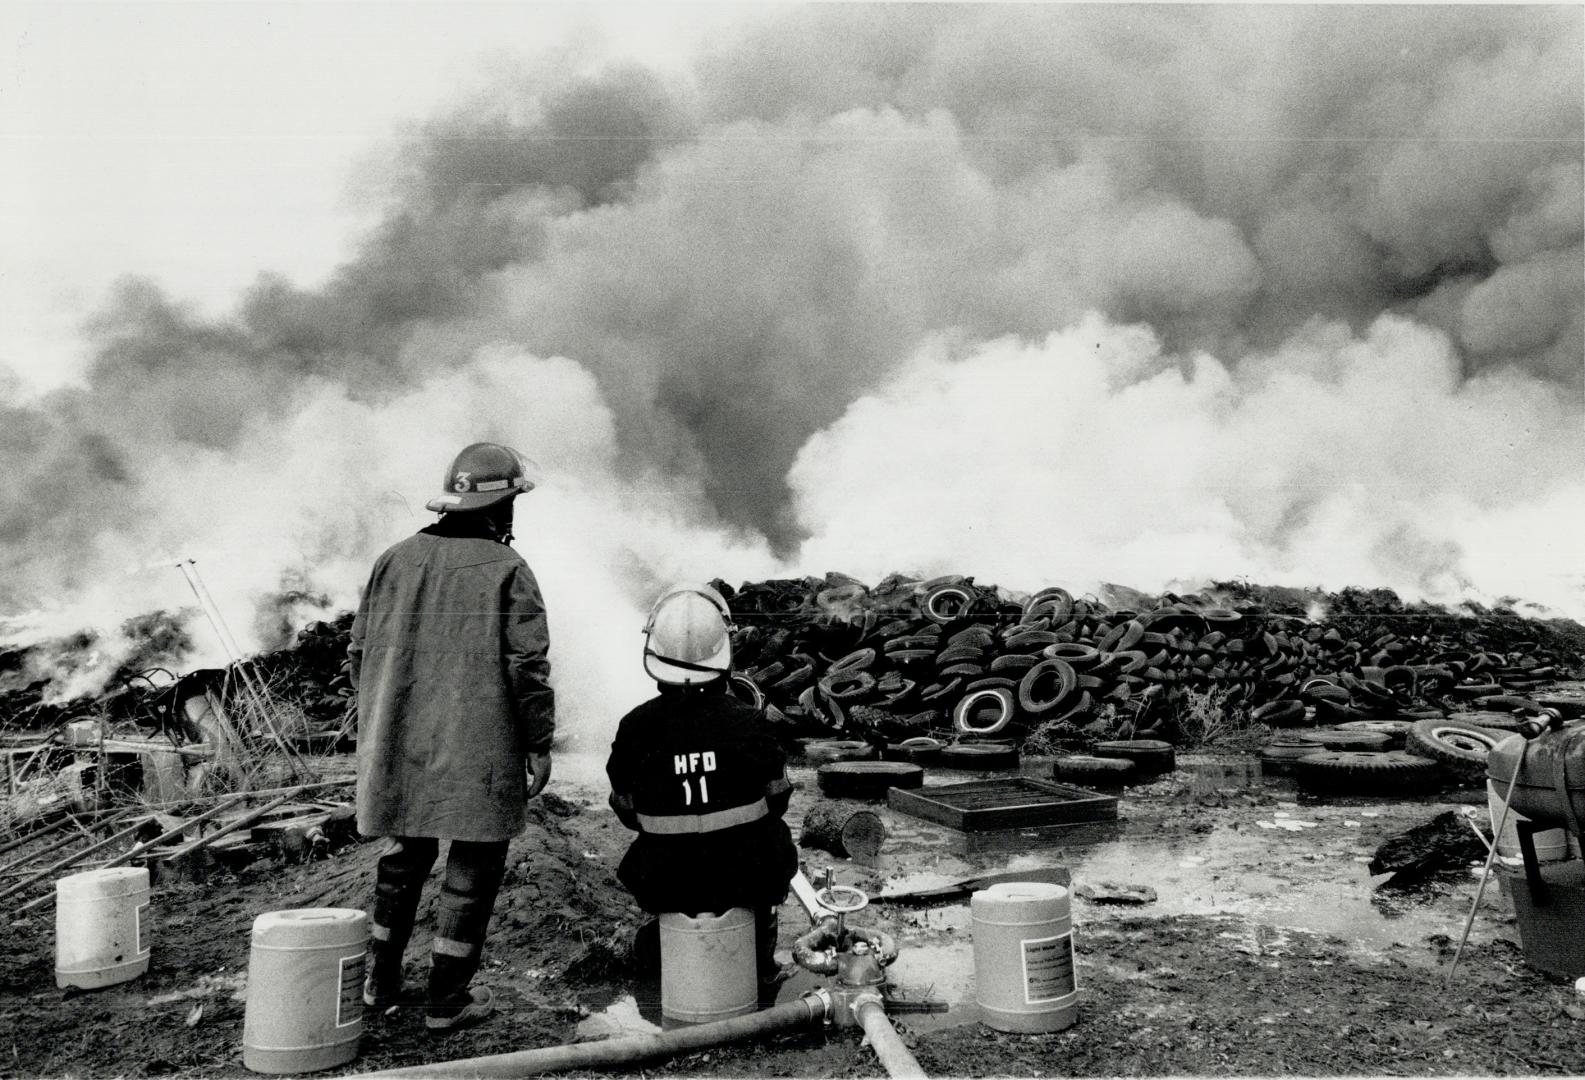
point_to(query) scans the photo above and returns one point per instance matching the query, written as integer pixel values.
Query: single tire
(794, 681)
(867, 779)
(1277, 757)
(938, 693)
(1336, 713)
(828, 750)
(1034, 699)
(1078, 656)
(1079, 711)
(1151, 756)
(1354, 741)
(847, 685)
(1569, 708)
(1014, 662)
(746, 690)
(991, 682)
(1509, 703)
(920, 750)
(1097, 771)
(1032, 641)
(1400, 678)
(944, 603)
(1285, 713)
(960, 653)
(911, 641)
(910, 657)
(978, 635)
(1462, 748)
(1054, 603)
(1391, 773)
(979, 756)
(1123, 637)
(1397, 731)
(963, 670)
(967, 713)
(860, 660)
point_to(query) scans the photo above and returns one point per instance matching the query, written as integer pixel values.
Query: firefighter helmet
(483, 475)
(687, 638)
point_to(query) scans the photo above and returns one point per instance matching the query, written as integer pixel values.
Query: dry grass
(1207, 721)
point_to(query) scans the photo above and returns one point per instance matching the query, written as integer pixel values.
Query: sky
(235, 135)
(1153, 295)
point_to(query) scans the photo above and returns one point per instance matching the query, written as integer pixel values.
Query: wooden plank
(1009, 803)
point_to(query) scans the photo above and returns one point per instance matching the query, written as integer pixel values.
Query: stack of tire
(1388, 757)
(960, 662)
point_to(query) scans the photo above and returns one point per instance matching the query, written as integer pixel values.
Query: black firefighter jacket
(696, 773)
(449, 659)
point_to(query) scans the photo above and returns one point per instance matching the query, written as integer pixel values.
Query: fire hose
(809, 1010)
(853, 954)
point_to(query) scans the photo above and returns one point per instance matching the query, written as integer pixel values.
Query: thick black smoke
(739, 258)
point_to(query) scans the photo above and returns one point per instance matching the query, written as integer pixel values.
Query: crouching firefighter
(455, 718)
(695, 772)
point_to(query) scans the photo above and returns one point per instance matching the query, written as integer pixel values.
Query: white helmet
(687, 638)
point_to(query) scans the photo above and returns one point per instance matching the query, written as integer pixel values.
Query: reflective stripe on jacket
(697, 775)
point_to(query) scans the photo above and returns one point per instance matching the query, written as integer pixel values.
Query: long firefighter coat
(697, 775)
(449, 659)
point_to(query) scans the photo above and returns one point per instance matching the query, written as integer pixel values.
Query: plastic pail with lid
(707, 966)
(1024, 977)
(102, 931)
(1550, 844)
(305, 990)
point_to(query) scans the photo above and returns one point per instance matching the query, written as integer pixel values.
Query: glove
(538, 770)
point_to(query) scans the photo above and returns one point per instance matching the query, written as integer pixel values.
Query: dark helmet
(483, 475)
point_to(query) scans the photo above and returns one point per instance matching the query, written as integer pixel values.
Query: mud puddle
(1268, 865)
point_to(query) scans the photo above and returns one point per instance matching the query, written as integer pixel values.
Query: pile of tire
(961, 662)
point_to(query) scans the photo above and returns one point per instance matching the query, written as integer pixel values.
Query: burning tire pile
(908, 661)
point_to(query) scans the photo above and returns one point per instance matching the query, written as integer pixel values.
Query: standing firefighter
(455, 716)
(695, 773)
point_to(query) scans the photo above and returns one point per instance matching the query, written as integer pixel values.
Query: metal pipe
(889, 1047)
(128, 855)
(40, 875)
(57, 824)
(808, 1010)
(225, 830)
(804, 891)
(60, 842)
(1491, 857)
(255, 691)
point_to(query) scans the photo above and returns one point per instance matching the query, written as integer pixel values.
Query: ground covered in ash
(1221, 975)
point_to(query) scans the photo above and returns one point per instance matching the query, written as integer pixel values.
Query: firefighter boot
(399, 882)
(473, 877)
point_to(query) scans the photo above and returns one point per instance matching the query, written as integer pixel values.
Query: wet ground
(1269, 948)
(1216, 839)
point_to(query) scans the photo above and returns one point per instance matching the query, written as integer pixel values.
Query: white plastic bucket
(1024, 975)
(707, 966)
(305, 990)
(1550, 845)
(102, 929)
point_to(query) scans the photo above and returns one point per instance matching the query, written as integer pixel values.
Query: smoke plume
(1047, 294)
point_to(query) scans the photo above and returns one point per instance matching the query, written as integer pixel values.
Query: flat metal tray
(1013, 802)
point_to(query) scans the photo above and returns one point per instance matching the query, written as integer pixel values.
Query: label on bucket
(143, 937)
(1048, 969)
(349, 1003)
